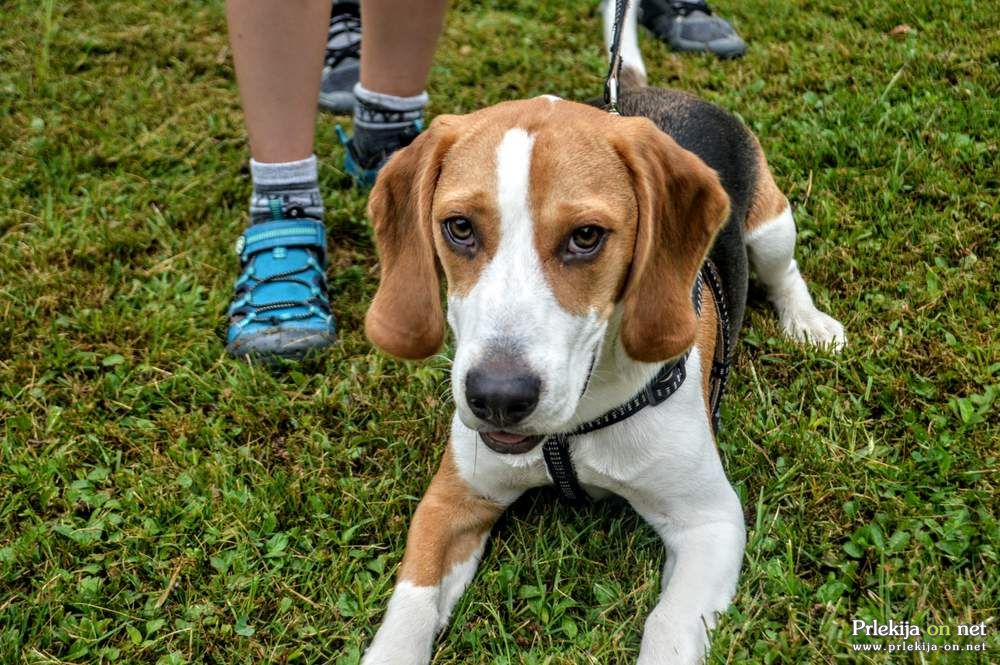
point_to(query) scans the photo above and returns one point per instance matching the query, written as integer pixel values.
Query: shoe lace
(345, 29)
(688, 7)
(315, 305)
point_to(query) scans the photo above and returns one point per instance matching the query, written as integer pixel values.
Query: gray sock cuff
(390, 102)
(378, 111)
(294, 184)
(282, 174)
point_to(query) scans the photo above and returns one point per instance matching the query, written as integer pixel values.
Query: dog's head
(552, 222)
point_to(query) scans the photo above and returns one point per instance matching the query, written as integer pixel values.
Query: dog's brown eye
(585, 240)
(459, 232)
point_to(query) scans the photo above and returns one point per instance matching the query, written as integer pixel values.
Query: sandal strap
(305, 233)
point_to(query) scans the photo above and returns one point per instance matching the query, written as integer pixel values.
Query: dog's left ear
(681, 206)
(405, 318)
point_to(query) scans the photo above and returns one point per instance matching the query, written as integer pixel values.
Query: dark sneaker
(690, 25)
(343, 58)
(364, 155)
(280, 308)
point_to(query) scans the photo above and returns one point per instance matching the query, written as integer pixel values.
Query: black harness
(556, 449)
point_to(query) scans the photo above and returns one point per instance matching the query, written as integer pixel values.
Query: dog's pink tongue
(507, 437)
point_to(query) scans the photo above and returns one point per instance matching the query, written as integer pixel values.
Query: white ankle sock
(295, 184)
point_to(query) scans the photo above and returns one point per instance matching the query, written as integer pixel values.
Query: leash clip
(615, 66)
(611, 94)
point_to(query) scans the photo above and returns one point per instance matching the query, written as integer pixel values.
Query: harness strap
(555, 448)
(722, 359)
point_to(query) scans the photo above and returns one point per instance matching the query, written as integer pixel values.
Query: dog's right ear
(405, 319)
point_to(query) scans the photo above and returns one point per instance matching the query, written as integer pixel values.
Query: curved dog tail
(633, 69)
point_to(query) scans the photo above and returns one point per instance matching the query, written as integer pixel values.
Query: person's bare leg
(399, 39)
(278, 48)
(280, 306)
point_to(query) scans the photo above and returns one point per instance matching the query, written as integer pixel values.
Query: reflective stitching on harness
(555, 448)
(560, 465)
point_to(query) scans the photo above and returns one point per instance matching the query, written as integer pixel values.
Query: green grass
(161, 503)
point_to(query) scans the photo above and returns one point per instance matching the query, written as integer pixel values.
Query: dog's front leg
(443, 549)
(704, 533)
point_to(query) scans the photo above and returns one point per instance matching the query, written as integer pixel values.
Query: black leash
(555, 448)
(615, 65)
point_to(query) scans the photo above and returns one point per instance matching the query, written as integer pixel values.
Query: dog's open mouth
(509, 443)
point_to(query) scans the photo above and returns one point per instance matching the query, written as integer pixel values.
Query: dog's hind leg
(770, 238)
(771, 248)
(443, 549)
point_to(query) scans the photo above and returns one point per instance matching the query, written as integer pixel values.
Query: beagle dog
(572, 242)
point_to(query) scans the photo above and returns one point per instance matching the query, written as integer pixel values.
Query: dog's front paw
(808, 324)
(378, 655)
(665, 641)
(406, 636)
(398, 649)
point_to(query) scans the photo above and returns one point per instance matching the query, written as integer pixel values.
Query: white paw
(406, 636)
(663, 643)
(395, 652)
(808, 324)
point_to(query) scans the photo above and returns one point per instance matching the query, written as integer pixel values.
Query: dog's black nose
(502, 394)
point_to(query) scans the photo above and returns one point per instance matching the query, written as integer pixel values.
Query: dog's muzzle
(502, 391)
